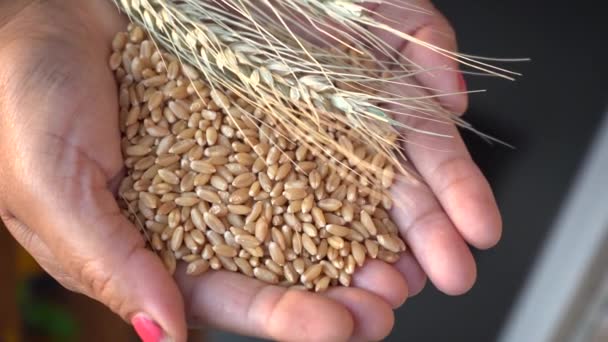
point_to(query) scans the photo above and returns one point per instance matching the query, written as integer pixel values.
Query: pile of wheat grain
(215, 183)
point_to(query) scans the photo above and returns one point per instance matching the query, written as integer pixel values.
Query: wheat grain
(220, 185)
(197, 267)
(265, 275)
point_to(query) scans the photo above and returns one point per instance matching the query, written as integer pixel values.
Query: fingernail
(147, 329)
(462, 84)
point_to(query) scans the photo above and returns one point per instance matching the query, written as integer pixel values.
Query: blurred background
(548, 279)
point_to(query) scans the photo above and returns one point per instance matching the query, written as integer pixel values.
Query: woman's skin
(60, 147)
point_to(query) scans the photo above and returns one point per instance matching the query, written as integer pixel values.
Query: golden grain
(201, 160)
(137, 150)
(208, 252)
(239, 196)
(247, 241)
(263, 274)
(335, 242)
(182, 146)
(156, 243)
(186, 201)
(217, 151)
(338, 230)
(149, 200)
(388, 242)
(208, 195)
(299, 265)
(388, 256)
(311, 273)
(256, 252)
(228, 263)
(215, 263)
(197, 267)
(318, 217)
(261, 229)
(239, 209)
(187, 182)
(290, 273)
(329, 204)
(329, 269)
(322, 284)
(168, 176)
(214, 223)
(190, 243)
(244, 180)
(358, 252)
(219, 183)
(344, 278)
(368, 223)
(265, 182)
(387, 176)
(225, 250)
(169, 260)
(174, 218)
(273, 267)
(309, 245)
(244, 266)
(295, 194)
(198, 237)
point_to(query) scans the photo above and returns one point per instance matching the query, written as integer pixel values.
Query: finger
(399, 16)
(432, 238)
(234, 302)
(461, 188)
(382, 280)
(412, 272)
(373, 317)
(425, 23)
(444, 78)
(78, 219)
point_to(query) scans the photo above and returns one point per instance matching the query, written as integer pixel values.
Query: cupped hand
(61, 147)
(453, 206)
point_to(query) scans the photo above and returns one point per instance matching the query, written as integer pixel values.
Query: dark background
(550, 115)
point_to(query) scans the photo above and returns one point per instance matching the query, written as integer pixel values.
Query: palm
(65, 130)
(78, 111)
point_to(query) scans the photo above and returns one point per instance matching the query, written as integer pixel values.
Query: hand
(454, 205)
(60, 141)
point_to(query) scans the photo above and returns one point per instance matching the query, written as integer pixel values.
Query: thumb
(444, 78)
(80, 222)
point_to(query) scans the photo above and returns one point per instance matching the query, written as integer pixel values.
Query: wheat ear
(257, 50)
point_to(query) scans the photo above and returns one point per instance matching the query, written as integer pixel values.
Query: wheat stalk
(257, 50)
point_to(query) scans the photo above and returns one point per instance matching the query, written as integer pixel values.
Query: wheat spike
(259, 51)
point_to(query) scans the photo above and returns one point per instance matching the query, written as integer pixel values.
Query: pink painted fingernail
(147, 329)
(462, 84)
